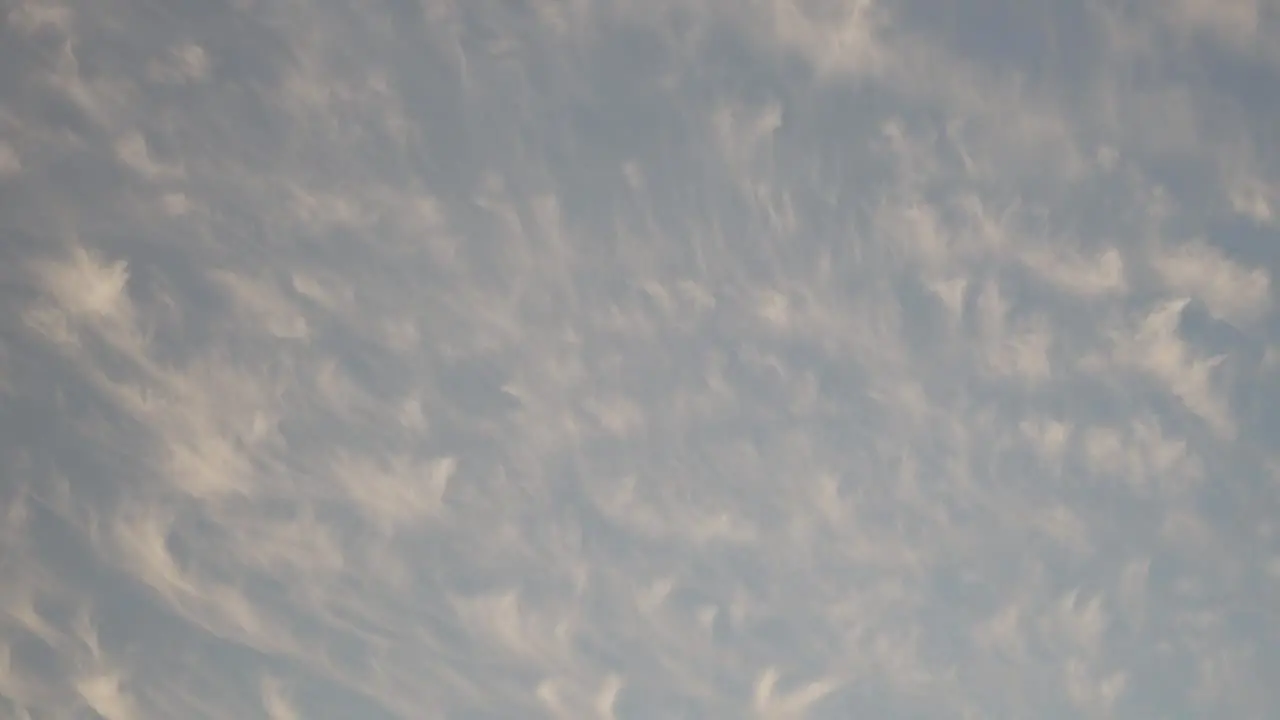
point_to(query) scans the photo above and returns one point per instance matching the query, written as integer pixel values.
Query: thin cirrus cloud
(618, 359)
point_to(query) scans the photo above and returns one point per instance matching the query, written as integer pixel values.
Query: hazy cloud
(618, 359)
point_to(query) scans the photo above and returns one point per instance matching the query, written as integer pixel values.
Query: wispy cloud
(1229, 291)
(617, 359)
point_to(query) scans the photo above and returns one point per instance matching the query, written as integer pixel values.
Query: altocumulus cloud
(634, 359)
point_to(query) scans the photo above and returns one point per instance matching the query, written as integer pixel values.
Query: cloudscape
(634, 359)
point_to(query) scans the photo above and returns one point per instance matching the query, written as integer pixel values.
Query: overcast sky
(639, 359)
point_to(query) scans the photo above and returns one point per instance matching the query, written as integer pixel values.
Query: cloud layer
(621, 359)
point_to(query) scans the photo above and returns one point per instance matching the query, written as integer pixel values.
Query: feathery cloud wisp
(618, 359)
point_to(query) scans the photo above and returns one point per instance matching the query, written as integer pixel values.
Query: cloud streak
(608, 359)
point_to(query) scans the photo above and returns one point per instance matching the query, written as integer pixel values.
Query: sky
(634, 359)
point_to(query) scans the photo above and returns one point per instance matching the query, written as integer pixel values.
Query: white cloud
(32, 15)
(1083, 276)
(87, 286)
(1271, 357)
(1143, 456)
(133, 152)
(794, 704)
(182, 64)
(1090, 692)
(629, 359)
(1078, 622)
(1230, 290)
(1049, 438)
(833, 37)
(395, 492)
(276, 702)
(1066, 528)
(10, 162)
(1255, 200)
(1234, 22)
(103, 695)
(1159, 350)
(263, 304)
(1002, 633)
(1023, 352)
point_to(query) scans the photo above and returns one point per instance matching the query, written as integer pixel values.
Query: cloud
(1141, 456)
(1101, 275)
(276, 701)
(182, 64)
(401, 494)
(264, 305)
(1158, 349)
(10, 163)
(1229, 290)
(1021, 353)
(793, 704)
(1235, 22)
(87, 287)
(1253, 197)
(31, 16)
(103, 695)
(132, 151)
(620, 359)
(835, 38)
